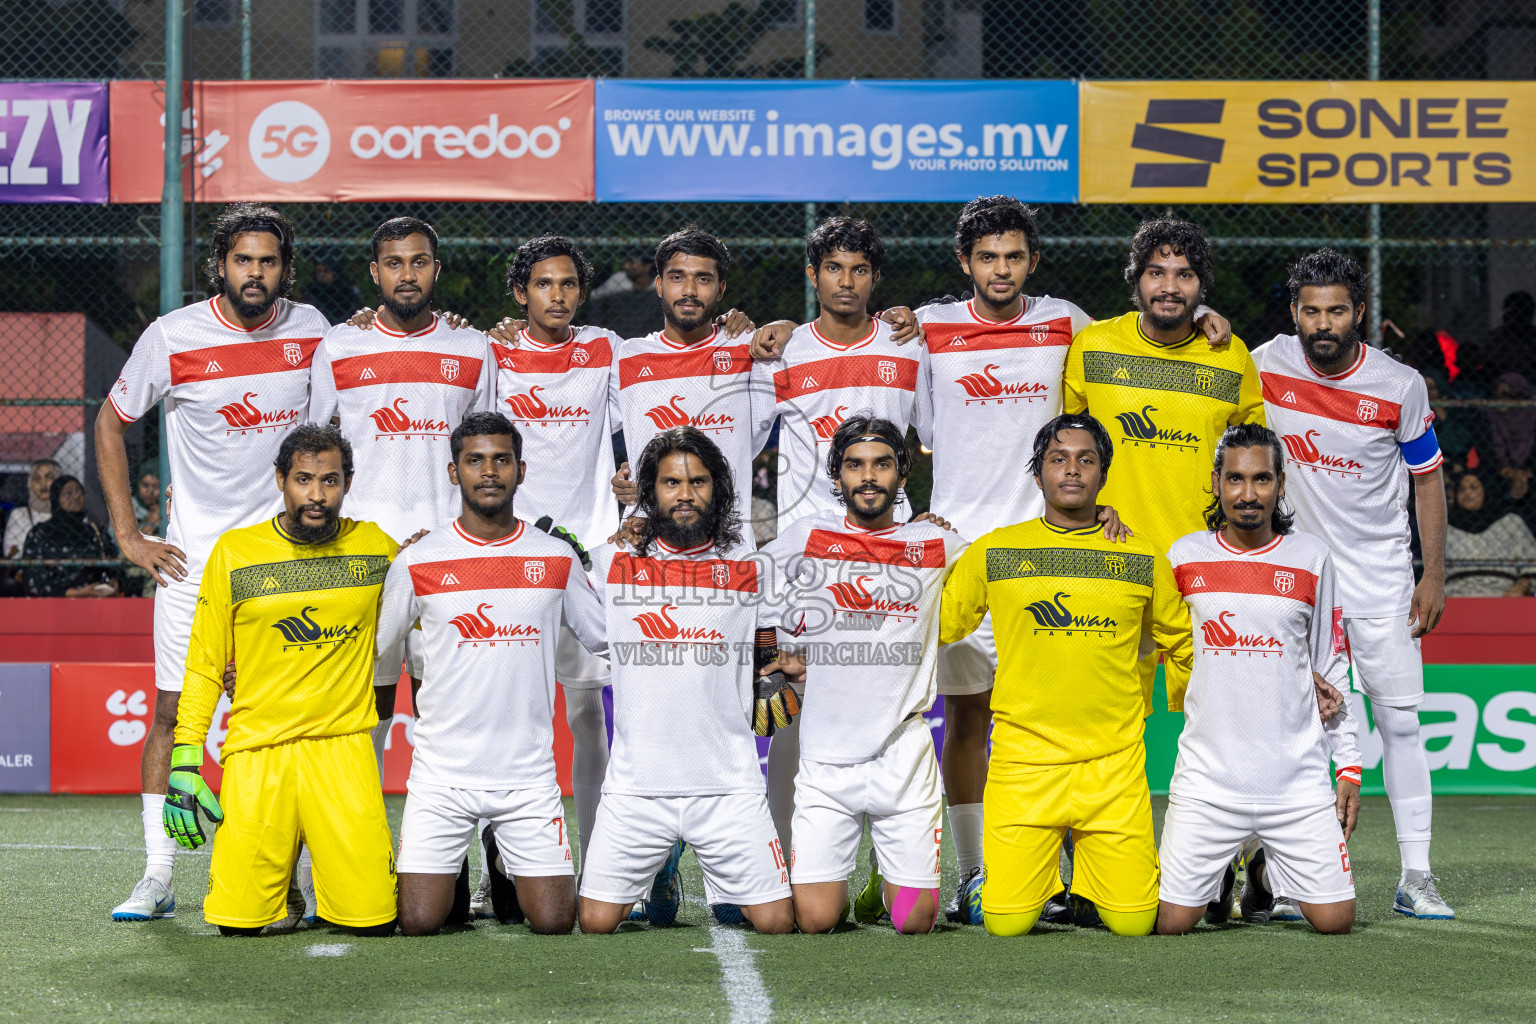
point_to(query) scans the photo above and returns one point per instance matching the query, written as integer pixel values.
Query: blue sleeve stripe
(1422, 450)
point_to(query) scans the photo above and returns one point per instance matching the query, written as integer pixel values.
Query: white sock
(159, 848)
(589, 756)
(965, 825)
(379, 735)
(783, 765)
(1405, 770)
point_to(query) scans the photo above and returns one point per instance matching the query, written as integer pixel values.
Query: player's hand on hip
(508, 332)
(1216, 328)
(1346, 805)
(734, 323)
(1115, 531)
(936, 520)
(1428, 605)
(769, 340)
(624, 488)
(904, 324)
(363, 319)
(155, 556)
(229, 679)
(1329, 700)
(185, 793)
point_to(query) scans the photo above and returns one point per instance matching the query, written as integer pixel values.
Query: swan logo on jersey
(984, 387)
(476, 628)
(293, 353)
(673, 415)
(658, 625)
(530, 409)
(450, 368)
(1220, 638)
(826, 426)
(1366, 410)
(1140, 429)
(533, 571)
(855, 599)
(1284, 581)
(723, 360)
(888, 370)
(1053, 616)
(393, 421)
(301, 631)
(1304, 451)
(243, 416)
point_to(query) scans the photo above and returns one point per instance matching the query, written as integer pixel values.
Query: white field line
(93, 849)
(328, 948)
(744, 988)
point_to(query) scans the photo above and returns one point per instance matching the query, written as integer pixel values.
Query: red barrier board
(350, 141)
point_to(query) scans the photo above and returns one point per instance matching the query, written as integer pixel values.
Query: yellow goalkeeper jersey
(1072, 613)
(300, 622)
(1165, 406)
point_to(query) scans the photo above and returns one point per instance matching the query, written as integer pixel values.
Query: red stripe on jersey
(504, 572)
(526, 359)
(944, 339)
(696, 361)
(864, 547)
(845, 372)
(277, 355)
(218, 314)
(711, 574)
(406, 368)
(1332, 403)
(1262, 578)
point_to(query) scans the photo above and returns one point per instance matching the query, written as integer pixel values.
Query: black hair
(1072, 421)
(314, 439)
(994, 215)
(245, 219)
(1180, 237)
(397, 228)
(545, 247)
(864, 424)
(848, 234)
(1249, 435)
(692, 240)
(482, 424)
(1325, 267)
(688, 441)
(1519, 308)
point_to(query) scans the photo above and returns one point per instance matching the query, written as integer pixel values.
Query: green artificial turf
(66, 860)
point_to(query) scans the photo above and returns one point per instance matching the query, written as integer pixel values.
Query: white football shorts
(1305, 853)
(897, 791)
(968, 665)
(1388, 665)
(577, 668)
(175, 605)
(731, 835)
(439, 825)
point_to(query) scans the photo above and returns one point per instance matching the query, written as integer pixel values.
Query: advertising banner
(53, 142)
(830, 141)
(1309, 142)
(24, 744)
(325, 141)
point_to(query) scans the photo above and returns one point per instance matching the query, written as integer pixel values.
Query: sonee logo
(1171, 142)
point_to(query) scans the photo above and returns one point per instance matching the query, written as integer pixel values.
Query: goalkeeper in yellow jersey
(294, 602)
(1072, 613)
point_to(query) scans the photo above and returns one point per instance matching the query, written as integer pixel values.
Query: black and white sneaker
(503, 892)
(1256, 902)
(1219, 910)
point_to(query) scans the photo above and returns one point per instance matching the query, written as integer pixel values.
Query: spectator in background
(1511, 346)
(1460, 431)
(146, 503)
(1482, 528)
(331, 293)
(1512, 434)
(627, 303)
(24, 517)
(69, 533)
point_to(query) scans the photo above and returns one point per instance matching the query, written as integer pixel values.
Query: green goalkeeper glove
(547, 524)
(184, 794)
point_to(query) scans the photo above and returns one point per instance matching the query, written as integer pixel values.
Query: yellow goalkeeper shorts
(323, 792)
(1106, 804)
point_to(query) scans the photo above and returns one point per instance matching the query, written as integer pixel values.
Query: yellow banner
(1308, 142)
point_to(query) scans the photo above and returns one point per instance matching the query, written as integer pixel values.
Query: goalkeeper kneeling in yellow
(1072, 612)
(294, 601)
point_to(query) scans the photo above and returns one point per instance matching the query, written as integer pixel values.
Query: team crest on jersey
(357, 569)
(720, 574)
(293, 353)
(723, 360)
(1039, 333)
(450, 368)
(914, 552)
(888, 370)
(1115, 564)
(534, 571)
(1284, 581)
(579, 356)
(1367, 410)
(1205, 378)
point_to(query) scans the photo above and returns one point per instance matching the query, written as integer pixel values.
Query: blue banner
(798, 141)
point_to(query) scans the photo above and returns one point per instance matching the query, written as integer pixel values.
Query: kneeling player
(865, 750)
(682, 608)
(1253, 756)
(1072, 613)
(491, 593)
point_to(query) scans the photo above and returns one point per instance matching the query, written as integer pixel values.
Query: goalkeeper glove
(776, 704)
(547, 524)
(184, 794)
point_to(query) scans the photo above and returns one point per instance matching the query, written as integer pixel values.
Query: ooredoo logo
(289, 141)
(482, 141)
(125, 731)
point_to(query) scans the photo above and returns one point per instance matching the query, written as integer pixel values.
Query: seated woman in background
(1482, 528)
(69, 533)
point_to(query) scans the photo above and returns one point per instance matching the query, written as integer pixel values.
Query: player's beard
(982, 294)
(248, 310)
(488, 510)
(1184, 319)
(1342, 347)
(306, 534)
(690, 535)
(683, 325)
(1242, 521)
(406, 311)
(887, 499)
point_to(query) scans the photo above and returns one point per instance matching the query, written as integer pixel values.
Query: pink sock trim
(906, 899)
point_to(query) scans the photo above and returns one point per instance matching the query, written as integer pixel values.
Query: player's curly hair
(397, 228)
(545, 247)
(994, 215)
(244, 219)
(865, 424)
(484, 424)
(848, 234)
(1326, 267)
(692, 240)
(1250, 435)
(313, 439)
(726, 530)
(1072, 421)
(1182, 238)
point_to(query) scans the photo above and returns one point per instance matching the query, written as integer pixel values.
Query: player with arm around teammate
(492, 595)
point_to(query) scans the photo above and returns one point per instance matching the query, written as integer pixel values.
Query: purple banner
(53, 142)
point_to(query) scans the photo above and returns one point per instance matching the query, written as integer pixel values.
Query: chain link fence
(1451, 276)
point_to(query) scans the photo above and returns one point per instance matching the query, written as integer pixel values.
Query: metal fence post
(170, 197)
(1373, 70)
(245, 39)
(810, 208)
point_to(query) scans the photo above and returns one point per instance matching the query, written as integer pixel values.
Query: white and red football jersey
(490, 615)
(680, 640)
(818, 383)
(557, 397)
(1351, 441)
(398, 397)
(983, 394)
(658, 383)
(1263, 621)
(230, 395)
(864, 606)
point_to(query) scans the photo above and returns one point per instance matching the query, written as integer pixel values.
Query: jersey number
(1344, 857)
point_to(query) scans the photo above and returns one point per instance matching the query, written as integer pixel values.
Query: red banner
(328, 141)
